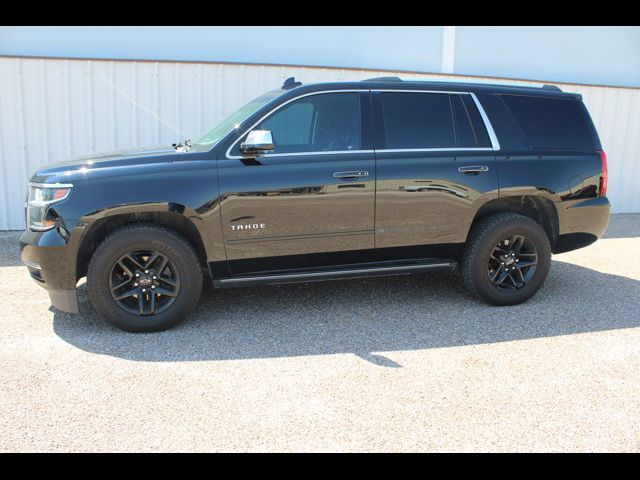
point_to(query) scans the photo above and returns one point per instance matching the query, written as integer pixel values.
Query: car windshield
(233, 121)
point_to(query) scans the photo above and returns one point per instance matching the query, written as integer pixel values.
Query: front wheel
(144, 278)
(506, 260)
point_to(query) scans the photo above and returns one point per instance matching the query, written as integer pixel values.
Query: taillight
(603, 176)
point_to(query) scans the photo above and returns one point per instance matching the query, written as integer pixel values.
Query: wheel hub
(509, 260)
(146, 279)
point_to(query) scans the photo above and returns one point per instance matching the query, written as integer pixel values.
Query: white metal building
(77, 97)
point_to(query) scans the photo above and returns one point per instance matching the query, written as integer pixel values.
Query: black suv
(326, 181)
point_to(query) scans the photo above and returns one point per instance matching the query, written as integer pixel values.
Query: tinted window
(507, 130)
(326, 122)
(292, 124)
(551, 122)
(464, 128)
(418, 120)
(479, 128)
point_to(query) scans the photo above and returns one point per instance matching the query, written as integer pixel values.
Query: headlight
(41, 197)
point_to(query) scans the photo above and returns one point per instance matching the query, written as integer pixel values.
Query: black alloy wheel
(506, 259)
(144, 278)
(144, 282)
(512, 264)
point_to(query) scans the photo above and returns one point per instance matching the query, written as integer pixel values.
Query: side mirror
(257, 141)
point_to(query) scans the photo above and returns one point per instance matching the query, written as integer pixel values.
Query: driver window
(317, 123)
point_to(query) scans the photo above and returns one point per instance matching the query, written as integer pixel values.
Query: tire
(176, 288)
(488, 246)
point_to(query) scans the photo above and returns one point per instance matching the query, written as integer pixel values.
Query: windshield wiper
(182, 147)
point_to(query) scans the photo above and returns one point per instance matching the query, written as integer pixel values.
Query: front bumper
(51, 261)
(581, 223)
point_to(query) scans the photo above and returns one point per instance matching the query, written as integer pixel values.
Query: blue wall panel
(393, 48)
(595, 55)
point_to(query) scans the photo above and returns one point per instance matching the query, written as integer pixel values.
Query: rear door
(435, 166)
(309, 202)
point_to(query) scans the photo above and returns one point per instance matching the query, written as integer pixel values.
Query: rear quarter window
(556, 123)
(470, 128)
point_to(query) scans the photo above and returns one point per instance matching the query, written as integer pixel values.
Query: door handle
(475, 169)
(351, 174)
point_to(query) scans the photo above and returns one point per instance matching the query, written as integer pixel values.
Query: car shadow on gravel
(362, 317)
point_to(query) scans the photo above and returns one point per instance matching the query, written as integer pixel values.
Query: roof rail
(514, 84)
(383, 79)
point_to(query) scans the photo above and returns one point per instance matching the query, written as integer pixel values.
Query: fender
(209, 235)
(141, 192)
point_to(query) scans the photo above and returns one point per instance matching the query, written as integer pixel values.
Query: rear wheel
(506, 260)
(144, 278)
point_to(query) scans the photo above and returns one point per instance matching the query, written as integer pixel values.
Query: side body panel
(567, 177)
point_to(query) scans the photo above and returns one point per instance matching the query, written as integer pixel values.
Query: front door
(309, 202)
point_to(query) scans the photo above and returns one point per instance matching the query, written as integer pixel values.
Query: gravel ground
(386, 364)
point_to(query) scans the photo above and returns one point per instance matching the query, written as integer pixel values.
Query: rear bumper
(51, 261)
(581, 223)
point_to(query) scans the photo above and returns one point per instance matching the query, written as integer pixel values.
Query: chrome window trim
(487, 123)
(495, 145)
(464, 149)
(298, 154)
(267, 155)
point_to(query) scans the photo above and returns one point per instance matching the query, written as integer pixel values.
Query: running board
(332, 274)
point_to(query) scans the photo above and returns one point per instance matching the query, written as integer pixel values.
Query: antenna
(290, 83)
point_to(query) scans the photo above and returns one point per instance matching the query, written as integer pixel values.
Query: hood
(116, 158)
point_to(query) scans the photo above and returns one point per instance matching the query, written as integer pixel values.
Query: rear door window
(479, 127)
(418, 120)
(470, 128)
(550, 122)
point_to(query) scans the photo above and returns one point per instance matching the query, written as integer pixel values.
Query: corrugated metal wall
(52, 109)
